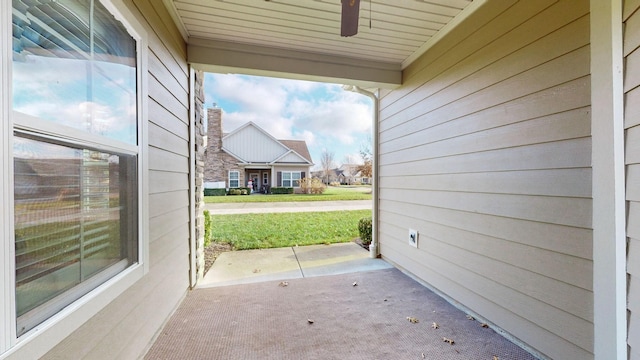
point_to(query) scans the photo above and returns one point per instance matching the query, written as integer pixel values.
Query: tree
(366, 169)
(326, 160)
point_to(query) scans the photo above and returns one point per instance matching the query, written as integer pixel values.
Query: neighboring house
(250, 154)
(327, 177)
(349, 174)
(346, 174)
(507, 133)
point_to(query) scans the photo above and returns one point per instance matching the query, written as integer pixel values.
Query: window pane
(74, 69)
(234, 179)
(75, 224)
(296, 179)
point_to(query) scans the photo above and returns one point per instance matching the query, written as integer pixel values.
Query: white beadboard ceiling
(391, 33)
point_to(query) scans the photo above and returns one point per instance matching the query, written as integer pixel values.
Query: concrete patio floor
(320, 302)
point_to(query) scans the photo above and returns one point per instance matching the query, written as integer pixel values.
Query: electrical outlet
(413, 238)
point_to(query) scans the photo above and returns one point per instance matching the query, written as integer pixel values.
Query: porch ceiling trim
(228, 57)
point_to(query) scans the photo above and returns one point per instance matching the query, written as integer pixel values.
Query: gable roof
(251, 144)
(300, 147)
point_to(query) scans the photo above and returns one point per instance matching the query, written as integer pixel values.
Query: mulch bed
(212, 252)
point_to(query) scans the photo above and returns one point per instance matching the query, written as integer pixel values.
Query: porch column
(274, 178)
(607, 131)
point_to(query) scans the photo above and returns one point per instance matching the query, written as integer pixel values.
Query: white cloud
(324, 115)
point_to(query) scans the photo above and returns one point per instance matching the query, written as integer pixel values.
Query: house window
(77, 153)
(291, 179)
(234, 179)
(265, 178)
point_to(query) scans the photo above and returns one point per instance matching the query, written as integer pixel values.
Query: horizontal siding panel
(633, 219)
(632, 70)
(561, 154)
(632, 108)
(630, 7)
(555, 210)
(634, 331)
(481, 45)
(515, 66)
(162, 160)
(538, 321)
(166, 99)
(174, 81)
(160, 181)
(631, 34)
(632, 145)
(553, 182)
(163, 118)
(634, 291)
(166, 244)
(568, 125)
(166, 202)
(162, 138)
(162, 224)
(633, 178)
(531, 261)
(569, 67)
(557, 238)
(524, 108)
(633, 265)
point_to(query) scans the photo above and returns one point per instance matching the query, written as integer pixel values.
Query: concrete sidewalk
(280, 207)
(251, 266)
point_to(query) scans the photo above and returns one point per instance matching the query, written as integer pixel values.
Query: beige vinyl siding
(632, 157)
(125, 327)
(486, 151)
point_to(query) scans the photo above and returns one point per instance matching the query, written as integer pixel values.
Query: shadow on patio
(324, 314)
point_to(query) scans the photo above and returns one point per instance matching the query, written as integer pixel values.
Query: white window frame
(52, 331)
(238, 179)
(291, 179)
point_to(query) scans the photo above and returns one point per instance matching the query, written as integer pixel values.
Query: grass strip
(263, 231)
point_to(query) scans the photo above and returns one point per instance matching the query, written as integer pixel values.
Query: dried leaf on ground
(283, 283)
(435, 325)
(496, 358)
(470, 317)
(447, 340)
(255, 271)
(310, 321)
(423, 356)
(413, 320)
(355, 283)
(484, 325)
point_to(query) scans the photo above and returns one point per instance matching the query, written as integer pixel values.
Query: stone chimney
(214, 128)
(217, 163)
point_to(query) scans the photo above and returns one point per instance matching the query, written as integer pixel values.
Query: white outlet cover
(413, 238)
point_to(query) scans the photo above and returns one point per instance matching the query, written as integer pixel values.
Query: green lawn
(262, 231)
(331, 194)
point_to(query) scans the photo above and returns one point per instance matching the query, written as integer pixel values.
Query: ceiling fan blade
(350, 15)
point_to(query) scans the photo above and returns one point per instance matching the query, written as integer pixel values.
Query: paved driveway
(280, 207)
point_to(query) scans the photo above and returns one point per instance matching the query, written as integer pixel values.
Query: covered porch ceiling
(301, 38)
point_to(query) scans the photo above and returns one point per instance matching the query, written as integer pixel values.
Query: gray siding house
(506, 133)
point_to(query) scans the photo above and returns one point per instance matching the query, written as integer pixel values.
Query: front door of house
(255, 178)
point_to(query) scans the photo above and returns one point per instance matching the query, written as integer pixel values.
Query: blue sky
(324, 115)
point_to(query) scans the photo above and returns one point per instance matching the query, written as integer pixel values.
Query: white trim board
(609, 212)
